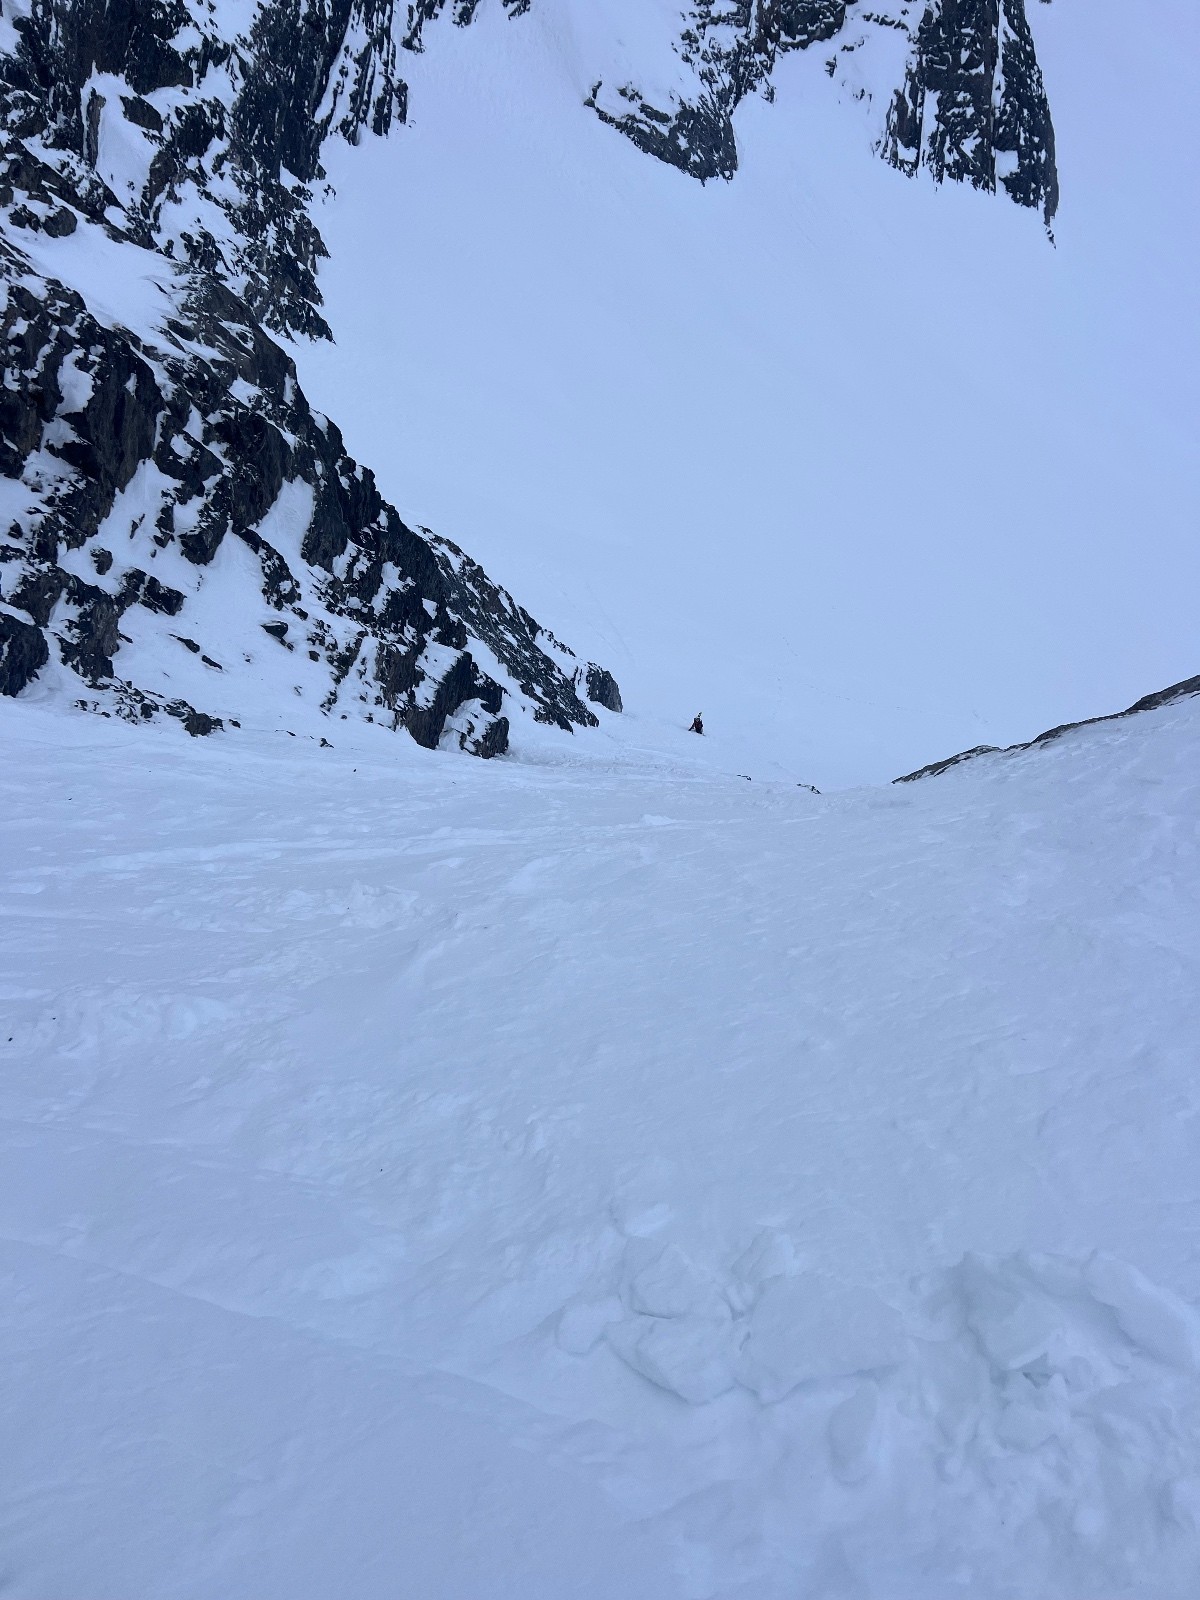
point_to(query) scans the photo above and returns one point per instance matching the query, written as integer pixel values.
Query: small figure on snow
(697, 724)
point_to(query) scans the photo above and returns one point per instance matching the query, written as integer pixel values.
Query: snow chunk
(672, 1286)
(1149, 1317)
(582, 1323)
(1014, 1328)
(811, 1328)
(852, 1434)
(687, 1356)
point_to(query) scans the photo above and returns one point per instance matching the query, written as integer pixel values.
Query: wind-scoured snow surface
(863, 468)
(592, 1175)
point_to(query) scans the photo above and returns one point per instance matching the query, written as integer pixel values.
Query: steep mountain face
(161, 158)
(205, 128)
(153, 226)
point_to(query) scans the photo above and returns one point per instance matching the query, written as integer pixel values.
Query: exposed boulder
(23, 653)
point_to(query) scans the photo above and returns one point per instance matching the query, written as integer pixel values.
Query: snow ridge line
(1149, 702)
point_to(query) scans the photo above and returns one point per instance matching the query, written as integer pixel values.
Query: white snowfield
(591, 1174)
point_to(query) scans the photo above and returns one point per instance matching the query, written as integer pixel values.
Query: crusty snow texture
(599, 1179)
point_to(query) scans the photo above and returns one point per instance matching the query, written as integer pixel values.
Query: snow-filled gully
(600, 1178)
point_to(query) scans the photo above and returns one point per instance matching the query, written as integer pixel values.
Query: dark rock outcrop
(1149, 702)
(23, 653)
(602, 689)
(730, 47)
(973, 106)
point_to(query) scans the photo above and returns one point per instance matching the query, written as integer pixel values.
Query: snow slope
(864, 469)
(588, 1174)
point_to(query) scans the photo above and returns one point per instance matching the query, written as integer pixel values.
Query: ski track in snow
(597, 1177)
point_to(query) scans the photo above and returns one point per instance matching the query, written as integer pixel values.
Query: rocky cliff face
(208, 136)
(209, 133)
(970, 104)
(973, 105)
(181, 532)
